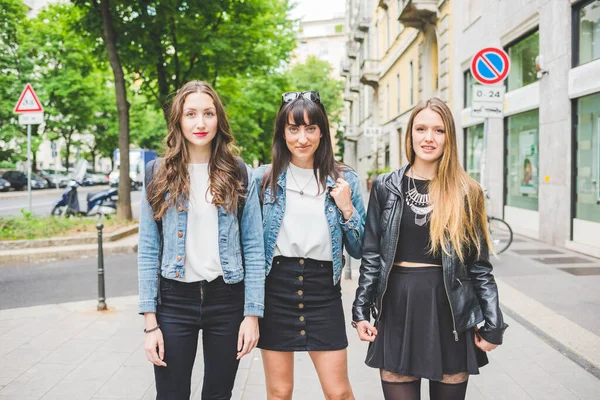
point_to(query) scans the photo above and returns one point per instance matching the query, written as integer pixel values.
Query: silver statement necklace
(418, 202)
(296, 182)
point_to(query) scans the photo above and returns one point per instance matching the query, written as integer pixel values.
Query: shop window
(522, 61)
(522, 176)
(587, 203)
(474, 150)
(588, 17)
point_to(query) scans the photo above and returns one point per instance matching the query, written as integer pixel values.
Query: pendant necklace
(296, 182)
(418, 202)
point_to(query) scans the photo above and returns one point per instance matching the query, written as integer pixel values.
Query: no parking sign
(490, 66)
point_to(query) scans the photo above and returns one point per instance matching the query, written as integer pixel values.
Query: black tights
(412, 390)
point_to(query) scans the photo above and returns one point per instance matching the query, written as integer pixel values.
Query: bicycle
(501, 234)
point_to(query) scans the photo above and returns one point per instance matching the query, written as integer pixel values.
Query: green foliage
(30, 226)
(147, 125)
(15, 71)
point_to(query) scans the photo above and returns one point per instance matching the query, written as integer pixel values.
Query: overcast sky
(309, 10)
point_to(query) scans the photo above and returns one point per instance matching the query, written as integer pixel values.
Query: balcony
(384, 4)
(369, 73)
(417, 13)
(348, 96)
(358, 36)
(344, 68)
(351, 50)
(362, 24)
(354, 84)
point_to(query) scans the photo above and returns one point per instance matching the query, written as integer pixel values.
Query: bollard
(101, 297)
(348, 266)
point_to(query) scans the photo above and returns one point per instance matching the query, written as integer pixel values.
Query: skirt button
(300, 305)
(301, 261)
(300, 292)
(301, 278)
(301, 318)
(303, 332)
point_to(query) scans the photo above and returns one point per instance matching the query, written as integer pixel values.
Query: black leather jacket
(470, 286)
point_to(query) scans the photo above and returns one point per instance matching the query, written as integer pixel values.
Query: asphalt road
(42, 201)
(65, 281)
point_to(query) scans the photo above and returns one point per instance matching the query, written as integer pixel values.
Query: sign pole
(29, 165)
(484, 152)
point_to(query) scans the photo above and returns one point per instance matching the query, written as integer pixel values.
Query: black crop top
(414, 242)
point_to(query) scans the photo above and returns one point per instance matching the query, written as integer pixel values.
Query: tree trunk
(124, 205)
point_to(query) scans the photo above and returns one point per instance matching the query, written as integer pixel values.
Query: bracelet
(152, 330)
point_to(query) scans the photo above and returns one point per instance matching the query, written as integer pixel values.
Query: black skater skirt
(415, 333)
(303, 309)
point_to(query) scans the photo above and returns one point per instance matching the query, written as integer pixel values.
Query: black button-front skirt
(303, 309)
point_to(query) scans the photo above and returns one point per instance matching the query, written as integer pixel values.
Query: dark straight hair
(324, 162)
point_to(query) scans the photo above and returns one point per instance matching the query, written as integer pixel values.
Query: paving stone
(37, 380)
(73, 390)
(19, 361)
(74, 351)
(127, 383)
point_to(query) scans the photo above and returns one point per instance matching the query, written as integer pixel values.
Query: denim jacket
(349, 233)
(174, 227)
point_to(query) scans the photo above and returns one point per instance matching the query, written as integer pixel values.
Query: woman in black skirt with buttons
(425, 274)
(312, 207)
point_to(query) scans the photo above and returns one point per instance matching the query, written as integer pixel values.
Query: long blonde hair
(458, 219)
(172, 176)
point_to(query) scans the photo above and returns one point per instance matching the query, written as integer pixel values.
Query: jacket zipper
(449, 302)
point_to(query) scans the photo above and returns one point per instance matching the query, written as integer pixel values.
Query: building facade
(324, 39)
(543, 157)
(398, 52)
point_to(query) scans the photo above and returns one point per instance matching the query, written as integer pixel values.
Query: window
(387, 31)
(387, 101)
(588, 17)
(398, 93)
(522, 61)
(587, 204)
(469, 82)
(411, 89)
(387, 156)
(474, 150)
(522, 160)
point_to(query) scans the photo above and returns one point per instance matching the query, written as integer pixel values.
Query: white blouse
(202, 260)
(304, 230)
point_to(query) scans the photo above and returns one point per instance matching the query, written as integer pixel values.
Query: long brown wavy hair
(324, 163)
(172, 176)
(458, 219)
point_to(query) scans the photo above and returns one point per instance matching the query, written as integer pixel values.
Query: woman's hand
(155, 348)
(366, 331)
(248, 336)
(482, 343)
(342, 195)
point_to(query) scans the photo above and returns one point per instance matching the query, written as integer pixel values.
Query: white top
(304, 230)
(202, 260)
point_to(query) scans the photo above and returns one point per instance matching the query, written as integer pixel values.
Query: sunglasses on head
(311, 95)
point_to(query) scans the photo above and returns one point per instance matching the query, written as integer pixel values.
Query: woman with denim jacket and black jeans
(425, 273)
(192, 275)
(311, 206)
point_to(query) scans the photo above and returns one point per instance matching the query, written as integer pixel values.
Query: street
(42, 201)
(64, 281)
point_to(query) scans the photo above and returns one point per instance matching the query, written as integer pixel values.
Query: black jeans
(218, 309)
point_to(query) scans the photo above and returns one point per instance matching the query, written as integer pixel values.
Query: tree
(15, 71)
(166, 43)
(315, 74)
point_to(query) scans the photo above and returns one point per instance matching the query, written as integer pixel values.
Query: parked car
(17, 179)
(99, 179)
(51, 176)
(38, 182)
(4, 185)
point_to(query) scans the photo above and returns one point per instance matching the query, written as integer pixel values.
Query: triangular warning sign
(28, 102)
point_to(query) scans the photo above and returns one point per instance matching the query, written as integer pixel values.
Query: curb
(68, 241)
(564, 335)
(48, 254)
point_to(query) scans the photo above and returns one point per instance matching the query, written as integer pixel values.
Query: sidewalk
(70, 351)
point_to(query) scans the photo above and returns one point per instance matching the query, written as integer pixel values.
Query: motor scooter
(98, 203)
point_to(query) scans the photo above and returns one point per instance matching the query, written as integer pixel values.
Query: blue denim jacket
(174, 225)
(349, 232)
